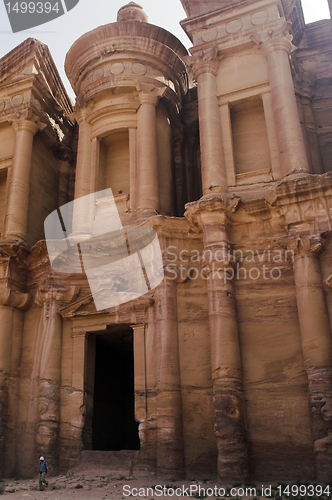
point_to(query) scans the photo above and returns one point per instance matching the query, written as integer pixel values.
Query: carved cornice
(304, 197)
(85, 307)
(13, 298)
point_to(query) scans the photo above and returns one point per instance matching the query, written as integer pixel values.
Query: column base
(47, 437)
(230, 433)
(170, 458)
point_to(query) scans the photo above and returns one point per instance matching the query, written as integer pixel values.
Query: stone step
(119, 462)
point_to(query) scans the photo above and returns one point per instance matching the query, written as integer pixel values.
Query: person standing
(42, 473)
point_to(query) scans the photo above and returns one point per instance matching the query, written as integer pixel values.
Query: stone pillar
(205, 68)
(170, 459)
(26, 126)
(140, 372)
(147, 159)
(316, 344)
(228, 394)
(132, 168)
(276, 45)
(330, 6)
(309, 128)
(85, 174)
(10, 302)
(49, 340)
(141, 395)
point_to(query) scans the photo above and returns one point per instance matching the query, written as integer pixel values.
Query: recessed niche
(250, 139)
(114, 163)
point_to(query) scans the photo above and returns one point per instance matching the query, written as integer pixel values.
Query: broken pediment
(32, 60)
(130, 312)
(292, 10)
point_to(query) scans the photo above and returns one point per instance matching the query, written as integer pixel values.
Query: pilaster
(205, 68)
(211, 215)
(316, 342)
(26, 125)
(49, 335)
(170, 458)
(147, 161)
(276, 45)
(85, 173)
(12, 302)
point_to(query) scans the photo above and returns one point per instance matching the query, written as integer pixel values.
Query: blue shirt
(43, 466)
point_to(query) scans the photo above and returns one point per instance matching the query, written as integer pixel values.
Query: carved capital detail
(149, 94)
(214, 208)
(27, 121)
(82, 110)
(300, 244)
(275, 39)
(13, 298)
(53, 293)
(204, 62)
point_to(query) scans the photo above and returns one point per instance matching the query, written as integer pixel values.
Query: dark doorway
(113, 423)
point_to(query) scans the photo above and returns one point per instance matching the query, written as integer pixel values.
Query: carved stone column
(84, 180)
(26, 125)
(10, 301)
(316, 344)
(147, 422)
(205, 68)
(49, 345)
(170, 459)
(276, 45)
(226, 364)
(147, 160)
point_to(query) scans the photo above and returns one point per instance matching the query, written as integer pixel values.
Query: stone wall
(225, 153)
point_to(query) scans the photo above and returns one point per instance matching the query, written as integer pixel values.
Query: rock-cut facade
(224, 370)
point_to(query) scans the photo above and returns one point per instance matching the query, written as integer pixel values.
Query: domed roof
(132, 12)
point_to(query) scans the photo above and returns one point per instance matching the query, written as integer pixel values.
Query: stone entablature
(234, 27)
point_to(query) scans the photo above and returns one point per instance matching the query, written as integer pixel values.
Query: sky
(62, 32)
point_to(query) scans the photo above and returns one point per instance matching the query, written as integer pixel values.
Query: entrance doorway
(113, 422)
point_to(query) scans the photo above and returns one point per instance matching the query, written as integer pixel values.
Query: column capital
(13, 298)
(213, 209)
(275, 39)
(302, 244)
(82, 110)
(53, 293)
(138, 326)
(27, 121)
(149, 94)
(204, 62)
(175, 274)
